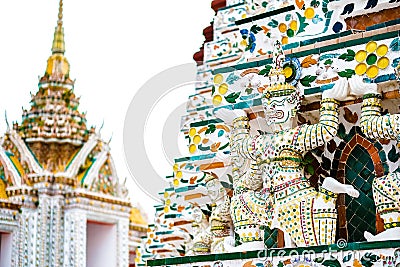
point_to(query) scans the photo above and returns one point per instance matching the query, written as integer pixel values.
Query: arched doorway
(360, 212)
(358, 162)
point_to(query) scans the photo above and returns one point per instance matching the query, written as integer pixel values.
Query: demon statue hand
(220, 220)
(307, 215)
(386, 189)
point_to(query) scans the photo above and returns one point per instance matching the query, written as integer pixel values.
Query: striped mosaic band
(278, 93)
(329, 100)
(290, 183)
(327, 192)
(250, 239)
(242, 118)
(281, 158)
(372, 95)
(392, 225)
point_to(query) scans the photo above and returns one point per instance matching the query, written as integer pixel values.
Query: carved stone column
(122, 242)
(75, 238)
(24, 242)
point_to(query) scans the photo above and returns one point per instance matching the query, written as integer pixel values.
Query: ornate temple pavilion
(61, 202)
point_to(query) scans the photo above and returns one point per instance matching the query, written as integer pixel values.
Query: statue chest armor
(279, 159)
(278, 151)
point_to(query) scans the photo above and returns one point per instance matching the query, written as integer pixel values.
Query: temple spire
(58, 41)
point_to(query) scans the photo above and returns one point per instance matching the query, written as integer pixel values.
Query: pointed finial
(109, 141)
(278, 56)
(101, 127)
(58, 41)
(5, 116)
(60, 13)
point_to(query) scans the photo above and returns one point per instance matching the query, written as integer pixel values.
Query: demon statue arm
(374, 125)
(315, 135)
(386, 189)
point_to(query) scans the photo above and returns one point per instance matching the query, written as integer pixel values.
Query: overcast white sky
(113, 48)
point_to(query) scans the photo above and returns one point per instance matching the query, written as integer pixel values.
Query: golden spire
(58, 41)
(277, 85)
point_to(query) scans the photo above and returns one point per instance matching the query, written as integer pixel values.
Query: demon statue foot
(389, 234)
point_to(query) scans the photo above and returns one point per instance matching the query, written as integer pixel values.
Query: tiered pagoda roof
(53, 147)
(54, 116)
